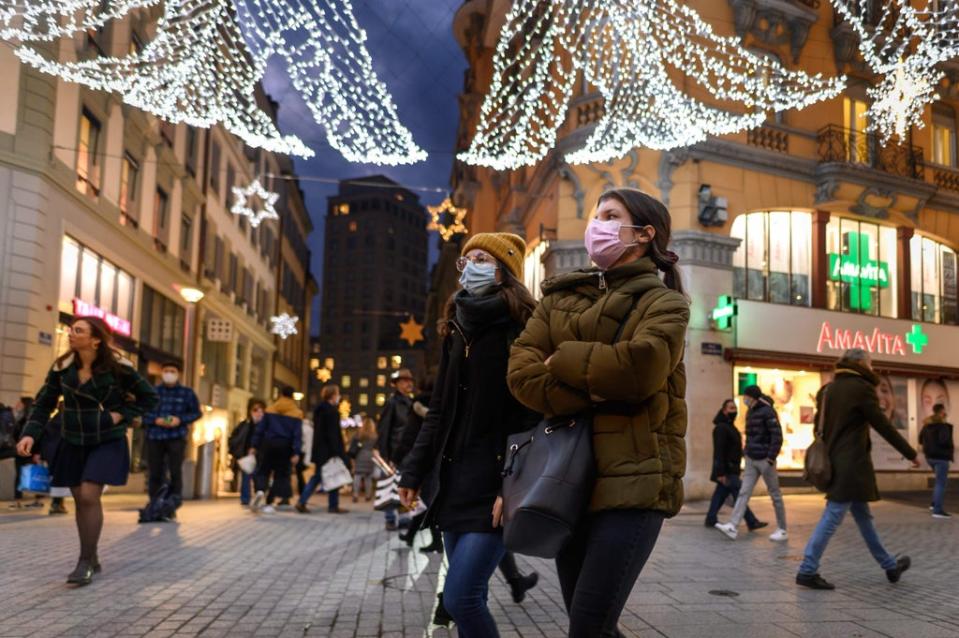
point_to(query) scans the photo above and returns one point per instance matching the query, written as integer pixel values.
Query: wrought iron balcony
(846, 146)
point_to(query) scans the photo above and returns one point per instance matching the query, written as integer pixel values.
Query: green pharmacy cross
(917, 339)
(858, 270)
(724, 312)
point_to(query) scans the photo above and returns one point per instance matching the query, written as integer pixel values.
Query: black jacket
(327, 437)
(727, 448)
(393, 420)
(241, 439)
(851, 406)
(413, 427)
(936, 440)
(462, 443)
(764, 435)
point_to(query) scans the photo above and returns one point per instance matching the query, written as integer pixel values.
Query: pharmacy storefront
(789, 353)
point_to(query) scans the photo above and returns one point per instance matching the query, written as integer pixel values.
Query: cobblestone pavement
(220, 571)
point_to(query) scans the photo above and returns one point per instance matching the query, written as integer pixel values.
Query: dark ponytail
(649, 211)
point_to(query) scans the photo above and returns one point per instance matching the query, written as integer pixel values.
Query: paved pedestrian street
(221, 571)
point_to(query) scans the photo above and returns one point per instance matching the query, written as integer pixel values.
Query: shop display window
(933, 281)
(86, 275)
(773, 261)
(861, 268)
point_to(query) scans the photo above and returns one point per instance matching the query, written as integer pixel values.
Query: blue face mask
(476, 277)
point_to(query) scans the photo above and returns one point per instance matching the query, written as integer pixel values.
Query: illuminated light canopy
(242, 205)
(283, 325)
(452, 224)
(627, 50)
(904, 46)
(208, 56)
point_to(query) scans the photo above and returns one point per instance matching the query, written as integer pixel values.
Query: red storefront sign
(876, 342)
(119, 325)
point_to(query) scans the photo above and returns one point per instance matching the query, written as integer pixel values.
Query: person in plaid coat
(102, 395)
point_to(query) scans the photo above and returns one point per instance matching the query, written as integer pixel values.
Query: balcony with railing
(768, 138)
(945, 177)
(845, 146)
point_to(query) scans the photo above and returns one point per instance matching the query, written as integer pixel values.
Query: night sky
(417, 57)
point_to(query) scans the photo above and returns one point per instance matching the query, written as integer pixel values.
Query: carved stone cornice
(565, 256)
(775, 22)
(699, 248)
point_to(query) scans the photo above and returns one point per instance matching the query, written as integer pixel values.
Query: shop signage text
(118, 325)
(875, 342)
(858, 270)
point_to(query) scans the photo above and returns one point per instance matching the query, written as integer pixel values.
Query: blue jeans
(333, 498)
(941, 468)
(731, 488)
(246, 487)
(473, 557)
(831, 518)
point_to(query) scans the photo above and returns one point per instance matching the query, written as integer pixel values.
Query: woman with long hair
(569, 361)
(361, 449)
(102, 395)
(462, 441)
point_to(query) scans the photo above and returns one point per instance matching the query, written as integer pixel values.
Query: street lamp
(190, 295)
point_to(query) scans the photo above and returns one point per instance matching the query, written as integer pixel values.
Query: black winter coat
(851, 406)
(727, 448)
(327, 437)
(393, 421)
(764, 435)
(935, 437)
(412, 428)
(462, 443)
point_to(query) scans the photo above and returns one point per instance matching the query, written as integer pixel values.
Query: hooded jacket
(287, 407)
(635, 387)
(935, 437)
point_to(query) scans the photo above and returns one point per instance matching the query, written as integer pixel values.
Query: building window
(381, 381)
(129, 182)
(186, 239)
(854, 122)
(352, 227)
(161, 212)
(162, 322)
(380, 399)
(345, 381)
(364, 400)
(364, 382)
(861, 269)
(933, 272)
(234, 274)
(396, 361)
(191, 139)
(328, 363)
(87, 276)
(230, 182)
(534, 271)
(774, 260)
(943, 135)
(215, 167)
(88, 155)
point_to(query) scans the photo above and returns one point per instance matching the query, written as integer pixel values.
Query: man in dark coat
(394, 420)
(764, 439)
(327, 444)
(727, 458)
(850, 406)
(937, 446)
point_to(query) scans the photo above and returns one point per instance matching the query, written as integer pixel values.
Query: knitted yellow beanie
(508, 248)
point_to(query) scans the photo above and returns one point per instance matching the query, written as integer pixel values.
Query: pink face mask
(603, 243)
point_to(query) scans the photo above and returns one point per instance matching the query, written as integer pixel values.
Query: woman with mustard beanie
(462, 442)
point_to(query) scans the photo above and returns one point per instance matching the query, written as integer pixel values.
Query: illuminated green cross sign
(724, 312)
(859, 271)
(917, 339)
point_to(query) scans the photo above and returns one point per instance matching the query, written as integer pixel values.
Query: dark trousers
(600, 565)
(720, 494)
(273, 460)
(166, 455)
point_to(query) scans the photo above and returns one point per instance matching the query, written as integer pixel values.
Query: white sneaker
(258, 499)
(268, 509)
(728, 529)
(778, 536)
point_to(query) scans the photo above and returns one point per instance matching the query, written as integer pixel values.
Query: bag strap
(625, 320)
(820, 424)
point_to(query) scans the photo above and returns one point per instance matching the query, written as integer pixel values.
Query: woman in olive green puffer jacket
(565, 362)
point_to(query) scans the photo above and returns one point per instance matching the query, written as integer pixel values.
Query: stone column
(705, 260)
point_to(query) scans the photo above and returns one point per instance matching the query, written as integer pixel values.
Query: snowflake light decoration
(241, 205)
(455, 215)
(283, 325)
(903, 45)
(204, 64)
(627, 49)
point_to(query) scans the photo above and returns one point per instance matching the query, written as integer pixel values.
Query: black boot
(83, 574)
(519, 586)
(902, 564)
(441, 617)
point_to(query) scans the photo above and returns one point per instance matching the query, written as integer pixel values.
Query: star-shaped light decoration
(243, 206)
(453, 222)
(283, 325)
(412, 332)
(900, 99)
(322, 374)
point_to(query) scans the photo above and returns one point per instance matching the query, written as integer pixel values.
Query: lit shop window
(774, 260)
(87, 276)
(933, 274)
(861, 268)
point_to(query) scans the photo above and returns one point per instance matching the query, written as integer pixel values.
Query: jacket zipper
(465, 339)
(602, 280)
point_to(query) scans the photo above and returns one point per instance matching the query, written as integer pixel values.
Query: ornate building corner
(565, 256)
(699, 248)
(565, 171)
(826, 191)
(669, 161)
(874, 202)
(776, 22)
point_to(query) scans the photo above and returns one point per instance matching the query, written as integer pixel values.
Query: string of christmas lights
(626, 49)
(903, 45)
(204, 63)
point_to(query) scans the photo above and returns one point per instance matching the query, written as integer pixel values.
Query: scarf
(475, 313)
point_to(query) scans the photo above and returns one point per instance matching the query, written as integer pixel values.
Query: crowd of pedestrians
(605, 342)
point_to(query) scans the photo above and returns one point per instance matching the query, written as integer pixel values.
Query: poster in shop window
(893, 394)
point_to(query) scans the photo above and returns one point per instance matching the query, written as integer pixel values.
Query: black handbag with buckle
(548, 480)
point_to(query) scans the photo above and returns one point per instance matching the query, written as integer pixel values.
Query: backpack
(238, 439)
(161, 507)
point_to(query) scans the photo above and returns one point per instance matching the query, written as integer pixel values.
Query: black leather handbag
(548, 480)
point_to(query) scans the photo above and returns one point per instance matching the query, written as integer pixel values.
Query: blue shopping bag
(35, 478)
